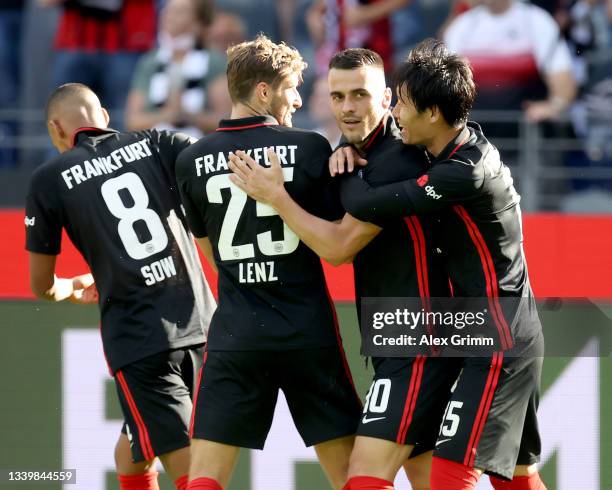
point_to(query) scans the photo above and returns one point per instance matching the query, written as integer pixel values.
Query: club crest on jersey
(30, 221)
(422, 180)
(430, 191)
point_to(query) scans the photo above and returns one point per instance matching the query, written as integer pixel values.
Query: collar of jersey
(246, 123)
(385, 125)
(457, 142)
(84, 133)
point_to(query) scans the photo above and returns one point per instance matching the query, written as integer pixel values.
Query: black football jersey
(272, 291)
(472, 192)
(404, 259)
(115, 195)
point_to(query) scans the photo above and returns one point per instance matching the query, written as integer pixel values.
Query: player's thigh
(320, 393)
(377, 457)
(406, 400)
(156, 404)
(334, 458)
(235, 401)
(485, 419)
(418, 470)
(212, 460)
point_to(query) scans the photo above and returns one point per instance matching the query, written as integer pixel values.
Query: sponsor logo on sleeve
(30, 221)
(430, 191)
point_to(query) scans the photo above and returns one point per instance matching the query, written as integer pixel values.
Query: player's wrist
(278, 196)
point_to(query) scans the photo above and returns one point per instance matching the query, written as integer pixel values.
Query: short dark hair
(64, 92)
(352, 58)
(432, 76)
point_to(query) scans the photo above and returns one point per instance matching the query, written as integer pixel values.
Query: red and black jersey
(472, 193)
(131, 27)
(115, 195)
(272, 292)
(403, 259)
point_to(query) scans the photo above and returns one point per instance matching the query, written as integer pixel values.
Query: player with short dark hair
(471, 191)
(115, 195)
(408, 396)
(275, 328)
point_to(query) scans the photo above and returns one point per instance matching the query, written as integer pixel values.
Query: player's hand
(84, 289)
(261, 183)
(345, 158)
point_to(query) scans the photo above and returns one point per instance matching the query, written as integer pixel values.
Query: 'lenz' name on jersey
(103, 165)
(215, 163)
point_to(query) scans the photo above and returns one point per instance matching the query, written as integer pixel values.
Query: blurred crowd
(162, 62)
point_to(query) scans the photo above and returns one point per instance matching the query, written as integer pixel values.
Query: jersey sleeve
(193, 212)
(447, 183)
(171, 144)
(43, 222)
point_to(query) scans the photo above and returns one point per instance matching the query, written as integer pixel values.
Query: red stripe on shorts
(143, 434)
(484, 407)
(413, 393)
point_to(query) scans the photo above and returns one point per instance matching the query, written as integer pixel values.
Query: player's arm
(446, 184)
(43, 242)
(46, 285)
(207, 250)
(336, 242)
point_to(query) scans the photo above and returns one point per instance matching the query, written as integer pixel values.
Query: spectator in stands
(169, 86)
(272, 17)
(11, 16)
(99, 42)
(579, 27)
(519, 58)
(320, 112)
(226, 30)
(335, 26)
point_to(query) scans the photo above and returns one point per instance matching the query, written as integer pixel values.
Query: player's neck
(241, 110)
(441, 140)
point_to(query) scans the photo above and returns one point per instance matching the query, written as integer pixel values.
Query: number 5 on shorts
(450, 421)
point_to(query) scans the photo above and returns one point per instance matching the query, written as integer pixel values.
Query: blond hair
(260, 60)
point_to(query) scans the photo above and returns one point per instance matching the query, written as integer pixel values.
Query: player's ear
(106, 116)
(262, 91)
(55, 129)
(434, 114)
(388, 96)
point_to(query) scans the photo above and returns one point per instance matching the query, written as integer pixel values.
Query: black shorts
(155, 395)
(490, 422)
(238, 390)
(407, 399)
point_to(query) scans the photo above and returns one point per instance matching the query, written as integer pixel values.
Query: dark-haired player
(492, 424)
(275, 327)
(408, 396)
(115, 195)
